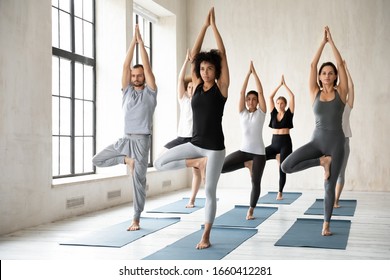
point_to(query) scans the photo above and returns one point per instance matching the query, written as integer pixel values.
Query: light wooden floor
(369, 236)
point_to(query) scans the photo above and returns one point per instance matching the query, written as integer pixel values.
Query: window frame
(85, 61)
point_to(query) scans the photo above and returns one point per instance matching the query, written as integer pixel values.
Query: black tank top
(207, 110)
(285, 122)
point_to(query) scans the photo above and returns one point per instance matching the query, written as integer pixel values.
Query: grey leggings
(324, 142)
(341, 179)
(175, 158)
(137, 148)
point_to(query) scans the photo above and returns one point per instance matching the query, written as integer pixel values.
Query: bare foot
(190, 204)
(130, 164)
(277, 157)
(249, 164)
(205, 241)
(325, 229)
(325, 162)
(336, 204)
(202, 168)
(279, 196)
(134, 226)
(249, 214)
(203, 244)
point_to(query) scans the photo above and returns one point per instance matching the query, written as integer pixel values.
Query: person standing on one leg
(252, 152)
(327, 145)
(281, 122)
(185, 92)
(348, 134)
(206, 151)
(139, 93)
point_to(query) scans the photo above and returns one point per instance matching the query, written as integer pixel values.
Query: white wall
(280, 36)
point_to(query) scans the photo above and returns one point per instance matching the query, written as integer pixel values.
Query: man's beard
(138, 84)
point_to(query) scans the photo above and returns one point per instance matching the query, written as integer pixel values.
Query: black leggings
(281, 144)
(236, 161)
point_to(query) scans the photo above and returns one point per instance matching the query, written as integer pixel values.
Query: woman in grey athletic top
(327, 145)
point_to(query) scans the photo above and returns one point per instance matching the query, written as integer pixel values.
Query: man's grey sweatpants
(135, 146)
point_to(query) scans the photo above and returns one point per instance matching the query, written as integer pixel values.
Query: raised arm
(313, 80)
(351, 87)
(126, 73)
(224, 79)
(291, 95)
(181, 89)
(271, 100)
(241, 102)
(343, 80)
(262, 104)
(149, 76)
(196, 49)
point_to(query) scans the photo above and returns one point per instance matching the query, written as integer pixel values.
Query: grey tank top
(328, 114)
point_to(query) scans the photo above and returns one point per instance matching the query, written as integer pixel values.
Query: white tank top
(185, 119)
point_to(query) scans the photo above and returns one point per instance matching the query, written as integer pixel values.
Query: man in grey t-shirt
(138, 104)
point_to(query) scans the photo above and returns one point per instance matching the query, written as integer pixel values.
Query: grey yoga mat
(237, 217)
(179, 207)
(223, 240)
(270, 198)
(347, 208)
(307, 233)
(118, 236)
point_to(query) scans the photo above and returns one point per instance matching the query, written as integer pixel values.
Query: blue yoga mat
(347, 208)
(179, 207)
(117, 235)
(270, 198)
(307, 233)
(223, 241)
(237, 217)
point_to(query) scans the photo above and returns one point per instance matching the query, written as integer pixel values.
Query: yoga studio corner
(230, 137)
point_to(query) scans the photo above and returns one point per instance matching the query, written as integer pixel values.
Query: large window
(73, 87)
(145, 27)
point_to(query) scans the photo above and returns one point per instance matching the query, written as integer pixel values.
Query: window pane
(65, 159)
(55, 76)
(79, 155)
(88, 82)
(55, 157)
(88, 154)
(55, 115)
(54, 3)
(78, 8)
(78, 36)
(65, 116)
(54, 27)
(65, 39)
(88, 118)
(88, 39)
(65, 5)
(141, 26)
(146, 34)
(78, 80)
(88, 10)
(65, 78)
(79, 118)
